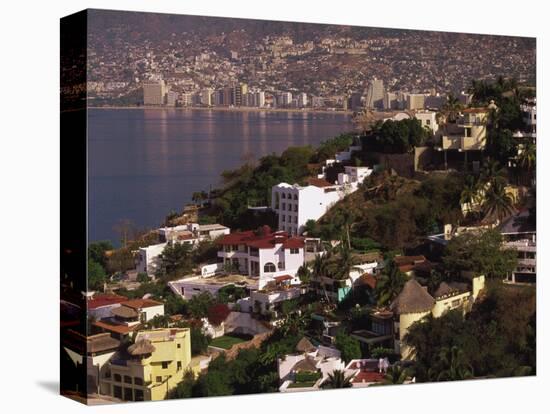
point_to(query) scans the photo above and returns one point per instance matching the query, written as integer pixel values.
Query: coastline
(227, 109)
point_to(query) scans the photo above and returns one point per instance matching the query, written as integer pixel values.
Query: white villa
(191, 233)
(263, 255)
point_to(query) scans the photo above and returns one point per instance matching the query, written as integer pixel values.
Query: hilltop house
(152, 366)
(191, 233)
(337, 290)
(128, 317)
(263, 254)
(414, 303)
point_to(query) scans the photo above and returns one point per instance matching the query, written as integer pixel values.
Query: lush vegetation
(393, 211)
(250, 185)
(396, 136)
(226, 341)
(497, 338)
(481, 254)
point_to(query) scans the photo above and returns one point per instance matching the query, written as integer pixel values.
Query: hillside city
(306, 66)
(401, 252)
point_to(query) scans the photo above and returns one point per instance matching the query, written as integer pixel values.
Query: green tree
(175, 261)
(396, 375)
(349, 347)
(455, 365)
(337, 379)
(199, 304)
(498, 204)
(452, 108)
(304, 273)
(184, 389)
(97, 250)
(480, 253)
(96, 275)
(390, 283)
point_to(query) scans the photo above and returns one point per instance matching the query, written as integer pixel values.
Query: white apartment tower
(295, 205)
(375, 94)
(154, 92)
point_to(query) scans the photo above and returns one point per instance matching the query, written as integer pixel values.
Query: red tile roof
(282, 278)
(368, 377)
(140, 303)
(105, 300)
(113, 327)
(319, 182)
(294, 243)
(266, 240)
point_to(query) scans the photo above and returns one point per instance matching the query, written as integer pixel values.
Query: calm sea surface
(145, 163)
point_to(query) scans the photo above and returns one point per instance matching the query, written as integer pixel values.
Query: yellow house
(151, 367)
(414, 303)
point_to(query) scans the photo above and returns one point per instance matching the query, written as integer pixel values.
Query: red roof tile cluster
(282, 278)
(319, 182)
(368, 377)
(408, 263)
(265, 238)
(140, 303)
(97, 301)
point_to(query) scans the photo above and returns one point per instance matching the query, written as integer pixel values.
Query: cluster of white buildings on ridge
(190, 233)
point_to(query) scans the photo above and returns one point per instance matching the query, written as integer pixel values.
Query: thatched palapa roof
(141, 347)
(412, 299)
(307, 364)
(124, 312)
(304, 345)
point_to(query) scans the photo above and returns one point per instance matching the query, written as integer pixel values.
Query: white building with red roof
(263, 254)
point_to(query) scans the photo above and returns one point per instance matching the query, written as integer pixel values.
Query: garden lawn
(226, 341)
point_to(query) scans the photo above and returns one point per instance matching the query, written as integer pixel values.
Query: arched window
(269, 267)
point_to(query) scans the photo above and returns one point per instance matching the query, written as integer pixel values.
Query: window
(427, 122)
(294, 251)
(269, 267)
(159, 378)
(117, 391)
(295, 208)
(283, 195)
(127, 379)
(468, 132)
(138, 395)
(179, 346)
(281, 265)
(284, 206)
(296, 219)
(179, 365)
(117, 378)
(296, 195)
(283, 218)
(138, 381)
(164, 365)
(455, 303)
(128, 395)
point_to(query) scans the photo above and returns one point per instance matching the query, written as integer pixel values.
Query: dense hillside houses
(355, 275)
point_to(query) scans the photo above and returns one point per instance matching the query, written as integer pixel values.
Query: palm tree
(390, 283)
(470, 194)
(304, 273)
(337, 379)
(451, 108)
(320, 270)
(498, 203)
(456, 366)
(396, 375)
(492, 172)
(527, 158)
